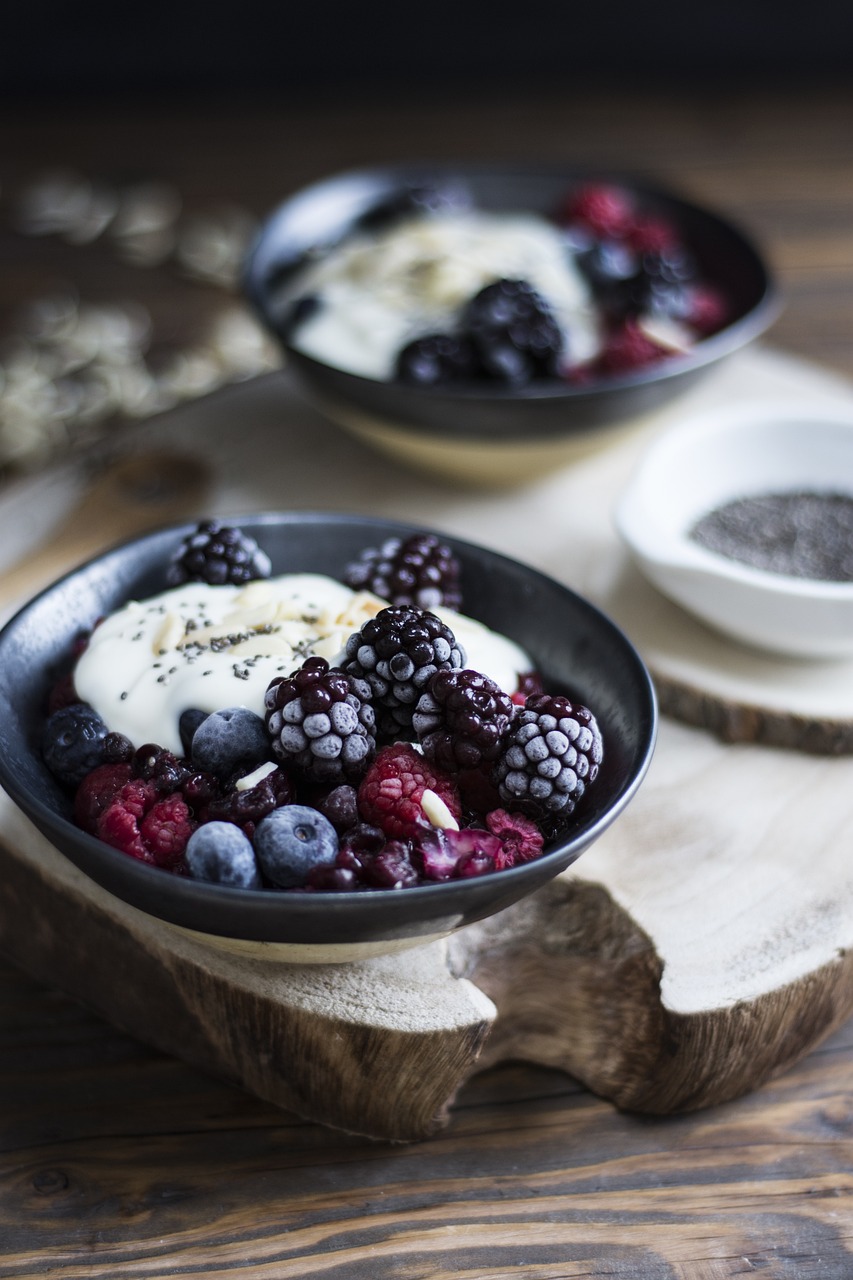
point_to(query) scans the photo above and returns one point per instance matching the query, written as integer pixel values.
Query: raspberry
(420, 570)
(461, 719)
(165, 830)
(650, 234)
(605, 209)
(706, 309)
(443, 855)
(521, 840)
(321, 722)
(552, 754)
(397, 653)
(391, 793)
(246, 807)
(391, 867)
(119, 823)
(218, 553)
(627, 347)
(96, 792)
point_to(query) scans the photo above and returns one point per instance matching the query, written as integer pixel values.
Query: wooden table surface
(119, 1161)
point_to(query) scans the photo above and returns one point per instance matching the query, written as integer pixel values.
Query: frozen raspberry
(246, 806)
(552, 754)
(390, 795)
(706, 309)
(158, 766)
(529, 682)
(627, 348)
(521, 840)
(607, 210)
(650, 234)
(96, 792)
(420, 570)
(119, 823)
(165, 830)
(461, 719)
(321, 722)
(391, 867)
(397, 653)
(217, 554)
(443, 855)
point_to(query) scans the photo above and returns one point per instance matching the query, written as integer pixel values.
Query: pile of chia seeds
(802, 534)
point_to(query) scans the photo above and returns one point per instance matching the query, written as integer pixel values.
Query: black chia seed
(802, 534)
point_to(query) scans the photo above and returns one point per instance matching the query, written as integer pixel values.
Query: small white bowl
(731, 453)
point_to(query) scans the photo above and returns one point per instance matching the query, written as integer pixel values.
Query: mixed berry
(647, 297)
(396, 766)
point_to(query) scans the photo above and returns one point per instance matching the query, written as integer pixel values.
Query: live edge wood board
(704, 944)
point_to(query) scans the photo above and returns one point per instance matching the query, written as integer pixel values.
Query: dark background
(65, 47)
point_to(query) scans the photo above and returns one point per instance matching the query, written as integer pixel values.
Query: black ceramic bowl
(576, 647)
(474, 431)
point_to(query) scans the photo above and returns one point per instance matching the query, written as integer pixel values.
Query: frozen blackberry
(514, 332)
(551, 755)
(462, 719)
(419, 570)
(398, 652)
(218, 554)
(73, 742)
(437, 358)
(321, 722)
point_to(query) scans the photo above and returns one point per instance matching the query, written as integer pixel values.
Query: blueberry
(230, 740)
(73, 742)
(187, 725)
(220, 853)
(291, 841)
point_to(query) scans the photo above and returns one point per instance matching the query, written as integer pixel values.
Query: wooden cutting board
(704, 944)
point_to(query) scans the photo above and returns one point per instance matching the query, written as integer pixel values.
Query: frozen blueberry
(230, 740)
(291, 841)
(73, 742)
(187, 724)
(220, 853)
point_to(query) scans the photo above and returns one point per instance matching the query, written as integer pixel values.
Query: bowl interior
(318, 217)
(577, 648)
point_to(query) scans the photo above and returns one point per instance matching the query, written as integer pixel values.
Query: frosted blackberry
(551, 755)
(398, 652)
(462, 719)
(218, 554)
(320, 721)
(514, 332)
(437, 358)
(420, 570)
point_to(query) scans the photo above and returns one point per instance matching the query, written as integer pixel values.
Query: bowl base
(484, 464)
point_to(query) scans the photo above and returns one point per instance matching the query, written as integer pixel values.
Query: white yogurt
(382, 290)
(215, 647)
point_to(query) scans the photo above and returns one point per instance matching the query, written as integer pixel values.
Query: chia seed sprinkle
(802, 534)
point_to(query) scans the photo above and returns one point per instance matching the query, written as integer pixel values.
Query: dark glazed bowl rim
(367, 916)
(419, 408)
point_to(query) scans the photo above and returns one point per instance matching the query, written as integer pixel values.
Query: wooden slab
(704, 943)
